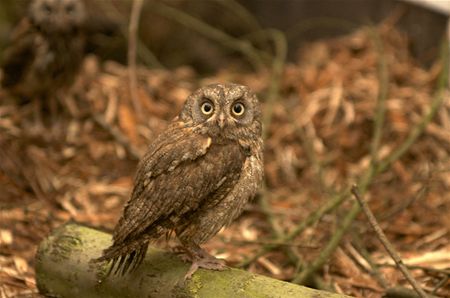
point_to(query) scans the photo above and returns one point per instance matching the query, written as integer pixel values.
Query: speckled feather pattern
(46, 49)
(195, 178)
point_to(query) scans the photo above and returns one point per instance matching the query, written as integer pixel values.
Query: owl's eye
(207, 108)
(238, 109)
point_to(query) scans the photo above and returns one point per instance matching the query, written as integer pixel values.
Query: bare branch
(132, 41)
(387, 245)
(118, 136)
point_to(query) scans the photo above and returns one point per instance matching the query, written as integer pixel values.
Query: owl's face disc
(57, 16)
(223, 109)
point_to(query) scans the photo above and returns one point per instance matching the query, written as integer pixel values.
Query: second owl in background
(195, 178)
(46, 50)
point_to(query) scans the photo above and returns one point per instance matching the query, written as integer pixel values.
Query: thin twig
(306, 274)
(372, 171)
(118, 136)
(316, 164)
(383, 79)
(311, 219)
(423, 268)
(257, 35)
(240, 11)
(132, 41)
(144, 53)
(255, 56)
(380, 111)
(375, 272)
(277, 72)
(440, 284)
(387, 245)
(419, 195)
(420, 127)
(295, 31)
(274, 88)
(266, 209)
(401, 292)
(278, 63)
(281, 244)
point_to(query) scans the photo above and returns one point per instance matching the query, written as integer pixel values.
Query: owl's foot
(200, 259)
(211, 263)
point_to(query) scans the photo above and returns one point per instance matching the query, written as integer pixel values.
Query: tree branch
(387, 245)
(132, 41)
(63, 269)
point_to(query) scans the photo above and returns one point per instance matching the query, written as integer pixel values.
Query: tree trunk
(63, 269)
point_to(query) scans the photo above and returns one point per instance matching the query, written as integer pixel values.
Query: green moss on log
(64, 269)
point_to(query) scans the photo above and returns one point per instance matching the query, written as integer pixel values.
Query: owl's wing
(211, 218)
(181, 169)
(18, 56)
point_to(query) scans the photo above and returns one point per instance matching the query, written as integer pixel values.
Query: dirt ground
(79, 164)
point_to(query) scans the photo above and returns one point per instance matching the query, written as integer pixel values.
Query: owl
(46, 49)
(195, 178)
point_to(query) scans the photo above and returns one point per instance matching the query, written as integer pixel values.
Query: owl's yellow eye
(207, 108)
(238, 109)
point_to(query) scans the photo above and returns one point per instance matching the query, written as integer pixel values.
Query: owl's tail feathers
(125, 257)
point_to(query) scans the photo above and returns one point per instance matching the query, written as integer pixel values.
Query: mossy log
(64, 269)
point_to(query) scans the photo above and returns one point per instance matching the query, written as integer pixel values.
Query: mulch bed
(79, 164)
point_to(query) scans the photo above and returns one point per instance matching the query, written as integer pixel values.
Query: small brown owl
(195, 178)
(46, 49)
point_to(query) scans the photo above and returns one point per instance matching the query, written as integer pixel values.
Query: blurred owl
(195, 178)
(46, 49)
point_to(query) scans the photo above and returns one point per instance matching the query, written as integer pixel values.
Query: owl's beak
(221, 121)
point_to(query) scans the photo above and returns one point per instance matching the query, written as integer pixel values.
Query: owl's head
(57, 16)
(228, 110)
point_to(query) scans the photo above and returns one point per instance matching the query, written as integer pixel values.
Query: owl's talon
(209, 263)
(191, 271)
(182, 253)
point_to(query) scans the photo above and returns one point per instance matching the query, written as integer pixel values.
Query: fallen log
(64, 269)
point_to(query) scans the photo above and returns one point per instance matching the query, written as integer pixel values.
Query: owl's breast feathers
(182, 178)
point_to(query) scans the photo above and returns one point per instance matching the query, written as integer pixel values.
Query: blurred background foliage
(166, 40)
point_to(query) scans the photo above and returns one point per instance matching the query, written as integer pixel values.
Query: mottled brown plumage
(46, 49)
(195, 178)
